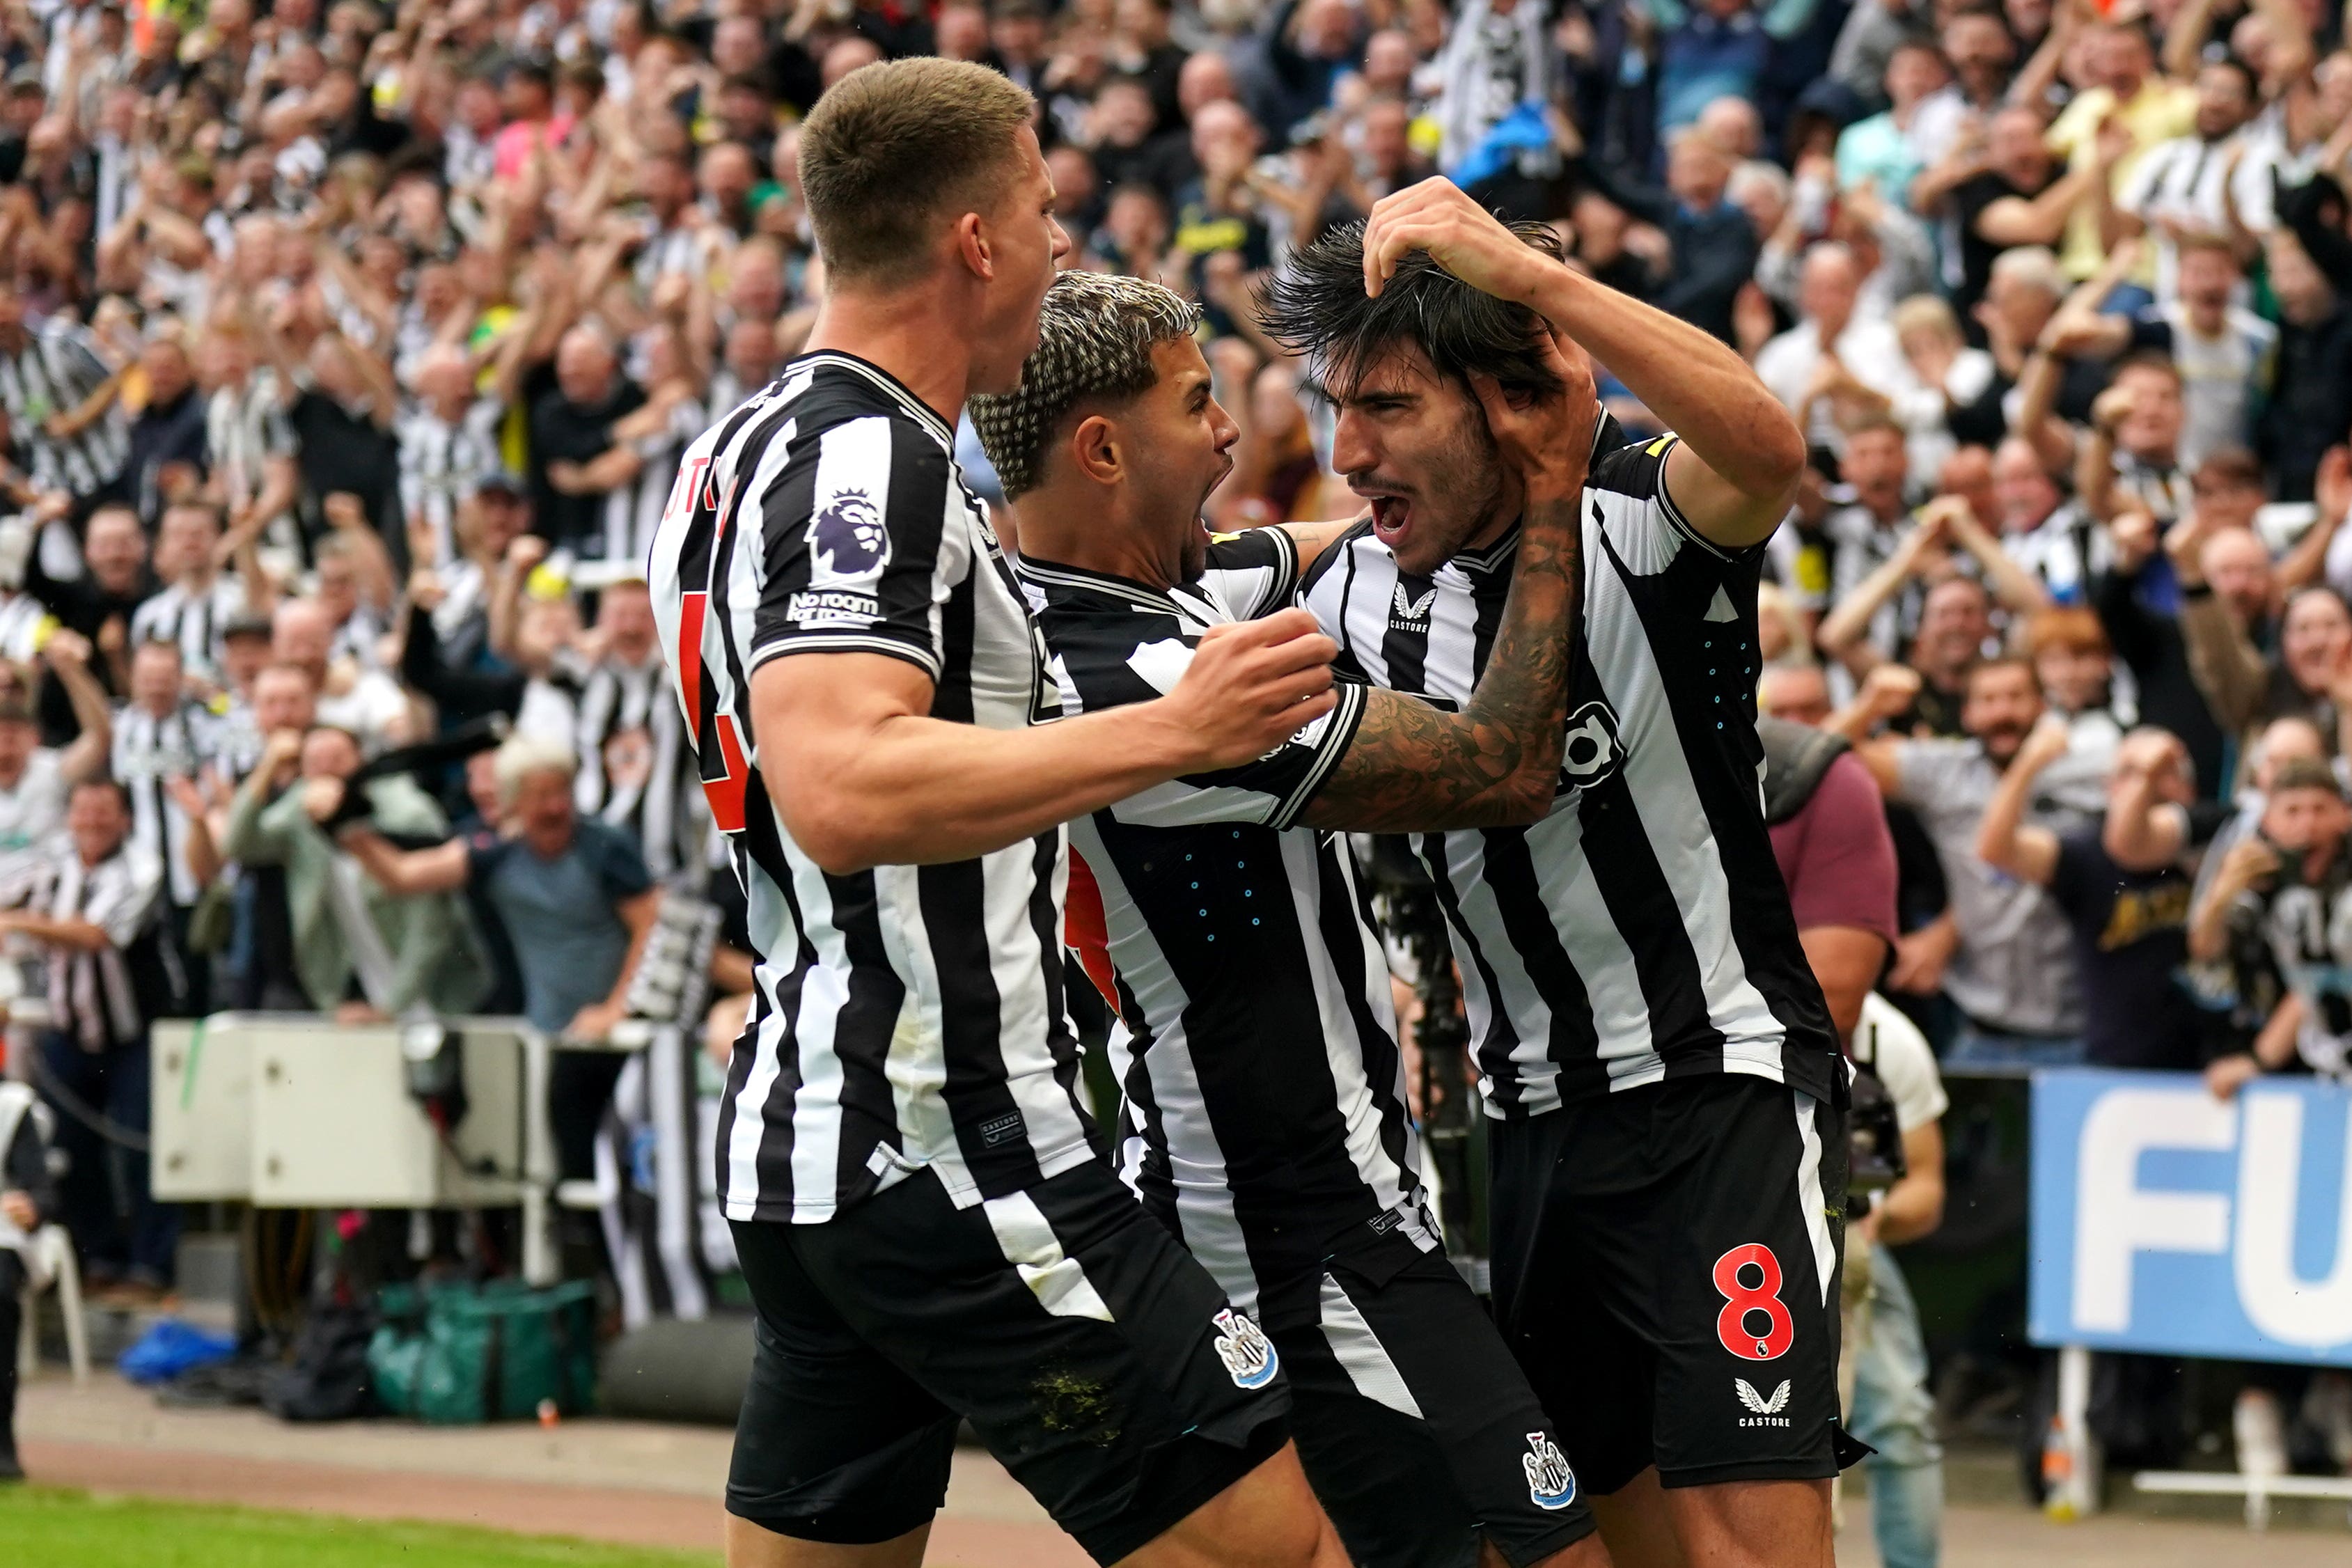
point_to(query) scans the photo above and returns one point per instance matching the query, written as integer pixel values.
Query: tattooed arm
(1414, 768)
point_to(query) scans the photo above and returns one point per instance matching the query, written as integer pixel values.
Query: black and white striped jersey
(441, 460)
(55, 371)
(907, 1015)
(103, 998)
(635, 770)
(1265, 1117)
(1641, 930)
(195, 618)
(149, 750)
(634, 510)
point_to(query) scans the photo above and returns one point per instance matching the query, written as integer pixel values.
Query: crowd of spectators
(348, 349)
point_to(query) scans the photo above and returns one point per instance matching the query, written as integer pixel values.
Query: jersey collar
(1053, 574)
(922, 411)
(1496, 557)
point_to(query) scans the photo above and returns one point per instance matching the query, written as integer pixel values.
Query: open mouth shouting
(1392, 513)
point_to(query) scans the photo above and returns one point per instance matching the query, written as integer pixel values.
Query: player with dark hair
(1265, 1121)
(1663, 1085)
(927, 1229)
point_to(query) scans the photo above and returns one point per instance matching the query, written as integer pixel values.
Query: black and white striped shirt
(2187, 180)
(633, 511)
(636, 769)
(442, 459)
(148, 750)
(1265, 1120)
(54, 373)
(194, 618)
(908, 1015)
(1641, 930)
(677, 248)
(102, 999)
(246, 428)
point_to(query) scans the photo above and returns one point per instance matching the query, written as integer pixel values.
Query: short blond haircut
(890, 148)
(524, 755)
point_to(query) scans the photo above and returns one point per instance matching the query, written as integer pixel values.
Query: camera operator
(1890, 1407)
(360, 953)
(2280, 901)
(1830, 838)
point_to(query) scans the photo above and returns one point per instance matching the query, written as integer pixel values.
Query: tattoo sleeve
(1413, 768)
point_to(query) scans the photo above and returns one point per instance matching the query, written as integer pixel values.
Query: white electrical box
(288, 1111)
(201, 1120)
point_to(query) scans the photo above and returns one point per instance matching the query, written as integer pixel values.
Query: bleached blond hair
(1094, 338)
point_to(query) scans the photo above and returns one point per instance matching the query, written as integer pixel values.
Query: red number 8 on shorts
(1739, 1301)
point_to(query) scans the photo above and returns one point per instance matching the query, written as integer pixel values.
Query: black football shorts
(1092, 1355)
(1418, 1431)
(1666, 1267)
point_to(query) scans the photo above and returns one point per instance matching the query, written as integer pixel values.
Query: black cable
(82, 1111)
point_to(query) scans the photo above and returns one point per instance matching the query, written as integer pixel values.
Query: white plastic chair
(53, 1255)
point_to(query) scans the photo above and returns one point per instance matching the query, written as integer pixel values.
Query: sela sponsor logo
(1247, 1354)
(1409, 613)
(847, 538)
(833, 607)
(1550, 1483)
(1594, 752)
(1764, 1411)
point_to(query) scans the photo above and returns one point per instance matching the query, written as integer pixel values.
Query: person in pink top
(528, 96)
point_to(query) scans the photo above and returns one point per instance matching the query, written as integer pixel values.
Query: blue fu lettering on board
(2167, 1221)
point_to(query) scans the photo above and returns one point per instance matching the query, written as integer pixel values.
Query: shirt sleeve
(1846, 875)
(1906, 1064)
(2076, 871)
(1097, 672)
(1253, 573)
(1923, 771)
(2080, 118)
(484, 850)
(1271, 790)
(864, 539)
(86, 365)
(2141, 186)
(1665, 562)
(120, 908)
(619, 866)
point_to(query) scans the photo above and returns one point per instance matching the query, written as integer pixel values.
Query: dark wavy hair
(1316, 306)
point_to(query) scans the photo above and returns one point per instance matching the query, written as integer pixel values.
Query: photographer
(1890, 1407)
(2278, 903)
(361, 953)
(1835, 852)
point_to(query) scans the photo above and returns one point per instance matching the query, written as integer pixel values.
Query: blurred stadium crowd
(347, 352)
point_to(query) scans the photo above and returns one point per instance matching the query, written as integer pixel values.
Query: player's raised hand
(1547, 437)
(1459, 235)
(1251, 686)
